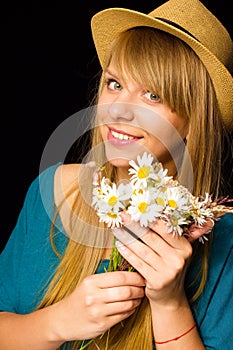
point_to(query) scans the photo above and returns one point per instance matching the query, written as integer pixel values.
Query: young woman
(165, 89)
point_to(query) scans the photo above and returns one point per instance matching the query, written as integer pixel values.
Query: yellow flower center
(142, 207)
(174, 221)
(112, 215)
(158, 180)
(112, 201)
(160, 201)
(172, 203)
(143, 172)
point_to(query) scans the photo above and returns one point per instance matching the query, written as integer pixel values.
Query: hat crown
(202, 25)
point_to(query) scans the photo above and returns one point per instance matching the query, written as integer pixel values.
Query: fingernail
(120, 245)
(118, 231)
(123, 236)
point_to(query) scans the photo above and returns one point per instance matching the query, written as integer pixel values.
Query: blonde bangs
(160, 63)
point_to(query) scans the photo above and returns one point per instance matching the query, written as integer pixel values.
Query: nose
(121, 111)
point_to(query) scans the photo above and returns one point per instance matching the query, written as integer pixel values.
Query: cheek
(165, 131)
(156, 145)
(180, 124)
(166, 141)
(103, 132)
(103, 97)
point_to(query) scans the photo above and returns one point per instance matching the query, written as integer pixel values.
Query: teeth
(119, 136)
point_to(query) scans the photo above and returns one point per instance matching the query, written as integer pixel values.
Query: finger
(135, 231)
(171, 238)
(141, 257)
(123, 293)
(126, 235)
(148, 246)
(151, 246)
(121, 307)
(131, 231)
(196, 232)
(159, 227)
(115, 279)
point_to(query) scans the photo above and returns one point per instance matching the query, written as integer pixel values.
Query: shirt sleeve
(28, 258)
(10, 260)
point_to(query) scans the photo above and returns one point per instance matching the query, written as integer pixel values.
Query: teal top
(28, 261)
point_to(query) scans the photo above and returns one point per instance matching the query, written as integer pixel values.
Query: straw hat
(188, 20)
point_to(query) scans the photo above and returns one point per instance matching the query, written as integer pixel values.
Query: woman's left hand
(160, 257)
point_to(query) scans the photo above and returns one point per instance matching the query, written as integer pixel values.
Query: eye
(152, 97)
(113, 85)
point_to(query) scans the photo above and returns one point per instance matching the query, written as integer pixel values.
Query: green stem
(84, 346)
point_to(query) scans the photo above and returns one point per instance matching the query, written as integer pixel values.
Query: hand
(98, 302)
(161, 259)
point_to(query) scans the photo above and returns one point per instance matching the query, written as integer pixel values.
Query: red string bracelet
(176, 338)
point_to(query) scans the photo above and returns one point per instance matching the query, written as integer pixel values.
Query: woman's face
(133, 120)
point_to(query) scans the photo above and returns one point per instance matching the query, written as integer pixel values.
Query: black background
(48, 66)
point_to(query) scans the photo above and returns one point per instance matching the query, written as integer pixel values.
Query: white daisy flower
(176, 200)
(109, 197)
(125, 191)
(143, 209)
(161, 178)
(160, 198)
(97, 196)
(99, 192)
(142, 171)
(199, 210)
(175, 221)
(110, 200)
(110, 218)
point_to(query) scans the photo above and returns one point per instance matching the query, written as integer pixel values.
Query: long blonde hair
(167, 66)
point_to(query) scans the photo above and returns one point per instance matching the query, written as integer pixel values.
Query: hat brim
(106, 25)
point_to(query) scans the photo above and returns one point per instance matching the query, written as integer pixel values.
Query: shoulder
(51, 186)
(67, 173)
(66, 182)
(41, 188)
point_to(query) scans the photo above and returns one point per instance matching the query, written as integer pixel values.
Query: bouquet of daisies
(151, 194)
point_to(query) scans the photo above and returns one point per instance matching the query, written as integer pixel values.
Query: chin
(116, 157)
(120, 156)
(119, 163)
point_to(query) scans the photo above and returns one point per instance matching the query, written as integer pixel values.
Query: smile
(120, 136)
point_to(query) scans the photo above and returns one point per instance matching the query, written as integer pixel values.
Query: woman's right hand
(99, 302)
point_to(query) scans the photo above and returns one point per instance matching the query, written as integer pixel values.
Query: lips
(120, 138)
